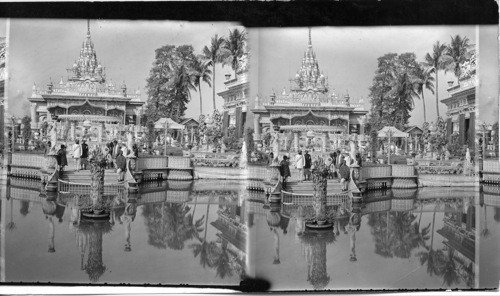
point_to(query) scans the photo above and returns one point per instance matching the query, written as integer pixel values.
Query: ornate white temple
(86, 96)
(310, 109)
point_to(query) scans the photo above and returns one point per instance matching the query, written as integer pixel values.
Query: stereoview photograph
(117, 132)
(209, 154)
(374, 134)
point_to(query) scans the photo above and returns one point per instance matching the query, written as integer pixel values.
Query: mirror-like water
(216, 233)
(174, 233)
(413, 239)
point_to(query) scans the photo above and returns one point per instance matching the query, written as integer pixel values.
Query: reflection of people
(276, 246)
(352, 227)
(52, 247)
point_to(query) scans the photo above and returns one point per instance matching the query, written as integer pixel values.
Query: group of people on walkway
(338, 163)
(115, 154)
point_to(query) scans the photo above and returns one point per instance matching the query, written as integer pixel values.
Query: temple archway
(309, 119)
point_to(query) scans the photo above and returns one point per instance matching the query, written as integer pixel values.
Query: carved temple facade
(85, 96)
(310, 110)
(461, 104)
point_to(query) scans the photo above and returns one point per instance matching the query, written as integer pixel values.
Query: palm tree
(450, 271)
(205, 249)
(424, 80)
(430, 256)
(457, 53)
(235, 47)
(201, 73)
(436, 62)
(215, 55)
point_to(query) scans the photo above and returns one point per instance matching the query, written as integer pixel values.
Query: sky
(43, 49)
(348, 56)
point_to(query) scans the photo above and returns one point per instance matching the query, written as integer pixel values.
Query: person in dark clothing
(135, 149)
(333, 166)
(121, 165)
(270, 158)
(307, 166)
(284, 169)
(62, 161)
(358, 158)
(85, 154)
(344, 172)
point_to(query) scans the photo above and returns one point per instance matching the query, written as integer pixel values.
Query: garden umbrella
(390, 132)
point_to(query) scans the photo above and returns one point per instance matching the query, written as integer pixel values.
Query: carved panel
(87, 109)
(309, 119)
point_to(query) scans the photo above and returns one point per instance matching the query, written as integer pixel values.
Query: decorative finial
(310, 43)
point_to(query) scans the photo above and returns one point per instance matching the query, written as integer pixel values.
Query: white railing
(152, 163)
(28, 160)
(179, 162)
(81, 188)
(307, 199)
(491, 166)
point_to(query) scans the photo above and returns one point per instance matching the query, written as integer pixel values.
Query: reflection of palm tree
(430, 256)
(276, 246)
(221, 264)
(169, 225)
(450, 274)
(204, 249)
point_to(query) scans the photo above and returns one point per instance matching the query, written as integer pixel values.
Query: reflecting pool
(218, 233)
(415, 239)
(174, 232)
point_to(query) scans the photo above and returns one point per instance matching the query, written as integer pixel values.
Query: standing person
(114, 152)
(109, 158)
(77, 154)
(136, 150)
(344, 172)
(270, 159)
(62, 161)
(358, 158)
(334, 166)
(47, 148)
(85, 154)
(121, 165)
(299, 164)
(284, 170)
(307, 166)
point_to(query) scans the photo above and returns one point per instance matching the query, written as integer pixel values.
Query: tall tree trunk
(201, 101)
(437, 93)
(213, 85)
(423, 102)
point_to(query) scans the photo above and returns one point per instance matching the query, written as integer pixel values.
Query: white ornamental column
(256, 127)
(296, 141)
(34, 117)
(72, 131)
(325, 139)
(100, 130)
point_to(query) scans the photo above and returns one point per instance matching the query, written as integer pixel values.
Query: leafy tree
(392, 90)
(435, 62)
(26, 121)
(170, 81)
(215, 54)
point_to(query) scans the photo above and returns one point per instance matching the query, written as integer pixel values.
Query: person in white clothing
(299, 164)
(77, 154)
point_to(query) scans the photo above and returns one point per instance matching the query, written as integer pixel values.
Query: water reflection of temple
(169, 212)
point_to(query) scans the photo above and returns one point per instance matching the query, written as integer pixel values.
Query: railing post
(9, 153)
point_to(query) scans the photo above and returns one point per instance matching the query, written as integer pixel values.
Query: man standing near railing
(121, 165)
(85, 154)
